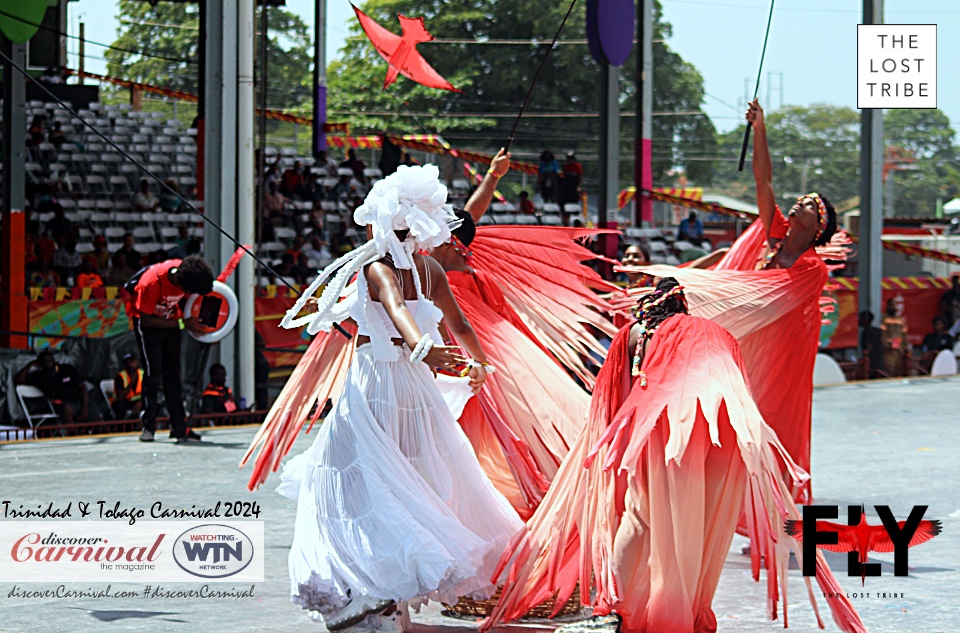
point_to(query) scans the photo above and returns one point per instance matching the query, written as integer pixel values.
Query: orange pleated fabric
(775, 316)
(644, 507)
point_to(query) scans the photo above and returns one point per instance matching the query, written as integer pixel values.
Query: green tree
(814, 148)
(921, 161)
(171, 30)
(164, 29)
(495, 78)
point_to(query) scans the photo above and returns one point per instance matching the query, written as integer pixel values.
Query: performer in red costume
(644, 508)
(530, 300)
(767, 292)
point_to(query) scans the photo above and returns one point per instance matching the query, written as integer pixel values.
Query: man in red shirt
(156, 294)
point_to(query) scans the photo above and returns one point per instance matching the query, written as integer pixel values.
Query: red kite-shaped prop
(401, 51)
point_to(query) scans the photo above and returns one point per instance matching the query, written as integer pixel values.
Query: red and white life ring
(229, 311)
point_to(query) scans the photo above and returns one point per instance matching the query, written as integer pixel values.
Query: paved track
(895, 443)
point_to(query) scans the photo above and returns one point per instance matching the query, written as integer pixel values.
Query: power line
(115, 48)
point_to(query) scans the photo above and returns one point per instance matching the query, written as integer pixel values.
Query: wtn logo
(858, 538)
(202, 550)
(213, 551)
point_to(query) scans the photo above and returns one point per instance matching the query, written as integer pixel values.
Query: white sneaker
(355, 611)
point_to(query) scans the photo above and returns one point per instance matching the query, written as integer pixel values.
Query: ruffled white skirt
(392, 503)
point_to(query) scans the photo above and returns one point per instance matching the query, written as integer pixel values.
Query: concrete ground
(888, 442)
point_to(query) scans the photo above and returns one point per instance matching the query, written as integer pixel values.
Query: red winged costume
(644, 508)
(530, 301)
(775, 315)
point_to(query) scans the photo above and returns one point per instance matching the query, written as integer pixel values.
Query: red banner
(919, 296)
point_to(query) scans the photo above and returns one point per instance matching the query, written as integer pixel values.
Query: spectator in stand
(547, 175)
(61, 383)
(303, 271)
(120, 273)
(194, 247)
(341, 190)
(526, 205)
(131, 253)
(217, 397)
(939, 339)
(297, 247)
(355, 164)
(341, 243)
(128, 390)
(293, 181)
(88, 277)
(272, 172)
(57, 136)
(318, 250)
(950, 302)
(35, 131)
(895, 346)
(66, 259)
(871, 343)
(43, 277)
(99, 256)
(572, 176)
(154, 306)
(169, 202)
(691, 229)
(408, 160)
(315, 222)
(286, 265)
(59, 226)
(637, 255)
(313, 190)
(143, 200)
(323, 162)
(273, 201)
(179, 250)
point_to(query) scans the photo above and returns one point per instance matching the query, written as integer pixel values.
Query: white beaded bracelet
(424, 345)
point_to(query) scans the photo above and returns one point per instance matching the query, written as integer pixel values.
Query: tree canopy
(817, 148)
(495, 52)
(172, 30)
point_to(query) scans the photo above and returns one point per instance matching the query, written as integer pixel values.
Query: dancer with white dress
(393, 507)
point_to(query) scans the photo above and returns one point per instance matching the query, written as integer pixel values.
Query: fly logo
(213, 551)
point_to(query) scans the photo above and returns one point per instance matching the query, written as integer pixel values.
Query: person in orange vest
(217, 397)
(128, 390)
(88, 278)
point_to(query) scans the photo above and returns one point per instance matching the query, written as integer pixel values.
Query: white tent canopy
(952, 207)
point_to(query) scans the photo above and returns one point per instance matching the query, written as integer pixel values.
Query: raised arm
(479, 202)
(762, 166)
(384, 288)
(456, 322)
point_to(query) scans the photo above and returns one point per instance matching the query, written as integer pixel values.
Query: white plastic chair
(36, 406)
(826, 371)
(945, 364)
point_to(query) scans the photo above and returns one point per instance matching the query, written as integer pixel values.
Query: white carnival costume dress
(392, 503)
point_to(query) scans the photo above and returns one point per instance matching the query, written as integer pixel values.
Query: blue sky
(812, 45)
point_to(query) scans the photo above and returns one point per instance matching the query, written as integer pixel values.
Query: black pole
(746, 132)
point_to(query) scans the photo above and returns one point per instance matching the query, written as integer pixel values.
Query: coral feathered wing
(318, 376)
(695, 382)
(540, 271)
(775, 316)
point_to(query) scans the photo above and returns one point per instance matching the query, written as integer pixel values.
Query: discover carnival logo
(213, 551)
(109, 551)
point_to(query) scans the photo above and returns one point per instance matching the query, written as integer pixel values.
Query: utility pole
(869, 257)
(320, 77)
(643, 149)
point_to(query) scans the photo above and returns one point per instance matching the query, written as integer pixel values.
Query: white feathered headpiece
(412, 198)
